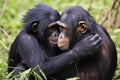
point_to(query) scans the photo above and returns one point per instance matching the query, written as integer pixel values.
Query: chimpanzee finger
(99, 45)
(95, 37)
(98, 42)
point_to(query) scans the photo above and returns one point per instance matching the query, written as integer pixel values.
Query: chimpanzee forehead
(66, 16)
(70, 20)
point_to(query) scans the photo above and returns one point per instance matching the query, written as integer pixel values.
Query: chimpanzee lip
(51, 41)
(61, 45)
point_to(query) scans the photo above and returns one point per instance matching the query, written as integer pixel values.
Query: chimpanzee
(36, 44)
(75, 25)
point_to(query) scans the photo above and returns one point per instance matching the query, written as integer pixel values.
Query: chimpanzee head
(75, 24)
(37, 23)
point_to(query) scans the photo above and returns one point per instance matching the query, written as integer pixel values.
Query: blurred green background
(105, 12)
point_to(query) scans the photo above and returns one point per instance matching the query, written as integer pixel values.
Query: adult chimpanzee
(75, 25)
(36, 44)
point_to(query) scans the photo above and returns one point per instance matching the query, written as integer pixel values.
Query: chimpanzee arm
(30, 51)
(33, 55)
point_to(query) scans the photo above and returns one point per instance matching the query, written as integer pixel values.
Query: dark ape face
(37, 23)
(74, 26)
(67, 36)
(53, 33)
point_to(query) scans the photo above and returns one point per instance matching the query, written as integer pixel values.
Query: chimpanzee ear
(34, 26)
(82, 27)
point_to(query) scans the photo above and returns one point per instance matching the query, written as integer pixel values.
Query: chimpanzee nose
(60, 36)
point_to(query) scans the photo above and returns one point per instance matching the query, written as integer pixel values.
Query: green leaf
(75, 78)
(23, 75)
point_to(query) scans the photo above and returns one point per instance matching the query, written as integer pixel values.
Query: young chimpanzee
(75, 25)
(36, 44)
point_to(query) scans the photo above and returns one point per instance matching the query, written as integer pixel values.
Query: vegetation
(105, 12)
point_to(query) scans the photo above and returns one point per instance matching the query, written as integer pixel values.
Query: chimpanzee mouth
(53, 42)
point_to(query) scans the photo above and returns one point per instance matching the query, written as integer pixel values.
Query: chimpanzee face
(66, 35)
(53, 33)
(61, 35)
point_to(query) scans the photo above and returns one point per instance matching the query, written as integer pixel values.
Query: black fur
(31, 46)
(97, 67)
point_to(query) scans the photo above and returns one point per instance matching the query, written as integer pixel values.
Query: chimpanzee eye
(55, 33)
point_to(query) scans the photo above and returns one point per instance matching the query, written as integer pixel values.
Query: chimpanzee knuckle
(100, 38)
(94, 43)
(98, 41)
(96, 35)
(92, 38)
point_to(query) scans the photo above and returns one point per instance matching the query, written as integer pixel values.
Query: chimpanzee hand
(87, 46)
